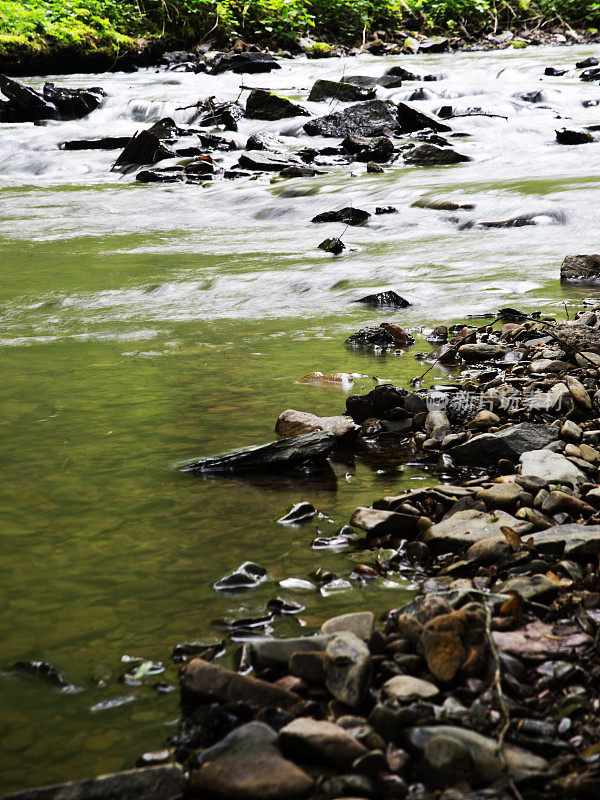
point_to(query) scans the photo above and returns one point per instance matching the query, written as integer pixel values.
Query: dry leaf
(512, 537)
(513, 607)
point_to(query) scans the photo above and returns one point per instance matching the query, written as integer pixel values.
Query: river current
(145, 325)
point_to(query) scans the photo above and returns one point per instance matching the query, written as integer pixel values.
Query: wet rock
(27, 105)
(203, 681)
(247, 576)
(537, 641)
(383, 523)
(347, 668)
(570, 541)
(267, 162)
(42, 669)
(574, 136)
(308, 665)
(509, 443)
(292, 423)
(296, 450)
(158, 782)
(376, 148)
(368, 82)
(244, 62)
(452, 640)
(348, 215)
(587, 62)
(266, 105)
(159, 176)
(73, 103)
(376, 402)
(307, 739)
(361, 119)
(506, 496)
(360, 623)
(474, 353)
(556, 72)
(372, 167)
(248, 765)
(592, 74)
(405, 689)
(106, 143)
(551, 467)
(299, 172)
(276, 653)
(580, 268)
(143, 148)
(386, 336)
(411, 120)
(425, 155)
(465, 528)
(332, 245)
(388, 299)
(299, 512)
(492, 550)
(345, 92)
(487, 765)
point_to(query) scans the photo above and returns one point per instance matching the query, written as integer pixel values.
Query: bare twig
(498, 686)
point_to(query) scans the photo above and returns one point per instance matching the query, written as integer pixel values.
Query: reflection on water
(143, 326)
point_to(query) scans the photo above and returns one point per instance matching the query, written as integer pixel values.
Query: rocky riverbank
(486, 684)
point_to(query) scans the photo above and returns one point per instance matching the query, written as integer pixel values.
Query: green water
(146, 326)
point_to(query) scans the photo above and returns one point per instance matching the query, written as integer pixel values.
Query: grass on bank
(38, 27)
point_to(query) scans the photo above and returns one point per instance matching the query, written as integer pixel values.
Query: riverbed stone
(487, 764)
(248, 765)
(249, 62)
(551, 467)
(344, 91)
(262, 104)
(389, 299)
(276, 653)
(292, 423)
(406, 688)
(360, 623)
(348, 215)
(160, 782)
(143, 148)
(264, 161)
(378, 522)
(509, 443)
(474, 353)
(507, 496)
(465, 528)
(307, 739)
(580, 269)
(428, 155)
(574, 136)
(203, 681)
(536, 588)
(361, 119)
(571, 541)
(347, 668)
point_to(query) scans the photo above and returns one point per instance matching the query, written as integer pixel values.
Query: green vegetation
(29, 27)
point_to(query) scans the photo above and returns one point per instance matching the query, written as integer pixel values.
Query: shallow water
(142, 326)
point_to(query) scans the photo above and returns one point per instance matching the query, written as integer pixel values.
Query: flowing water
(146, 325)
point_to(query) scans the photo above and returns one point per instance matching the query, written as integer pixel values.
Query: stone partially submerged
(580, 269)
(509, 443)
(25, 104)
(362, 119)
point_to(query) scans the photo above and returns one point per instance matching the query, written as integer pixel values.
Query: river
(146, 325)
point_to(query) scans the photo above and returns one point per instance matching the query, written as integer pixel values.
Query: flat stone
(465, 528)
(509, 443)
(387, 299)
(160, 782)
(537, 588)
(381, 523)
(203, 681)
(487, 765)
(360, 623)
(361, 119)
(347, 668)
(249, 62)
(343, 91)
(307, 739)
(580, 269)
(406, 688)
(276, 653)
(248, 765)
(474, 353)
(492, 550)
(347, 215)
(292, 423)
(571, 541)
(264, 161)
(425, 155)
(550, 467)
(506, 496)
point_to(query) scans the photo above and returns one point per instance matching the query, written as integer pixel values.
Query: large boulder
(266, 105)
(248, 765)
(290, 452)
(580, 269)
(345, 92)
(410, 120)
(73, 103)
(551, 467)
(243, 62)
(509, 443)
(362, 119)
(28, 105)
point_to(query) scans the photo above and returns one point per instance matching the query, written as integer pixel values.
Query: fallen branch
(498, 686)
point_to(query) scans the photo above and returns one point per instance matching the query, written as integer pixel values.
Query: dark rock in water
(364, 148)
(248, 765)
(388, 299)
(158, 176)
(143, 148)
(226, 114)
(347, 215)
(592, 74)
(299, 512)
(407, 75)
(555, 71)
(262, 141)
(106, 143)
(267, 162)
(210, 141)
(372, 167)
(73, 103)
(443, 205)
(410, 120)
(386, 210)
(574, 136)
(189, 152)
(362, 119)
(159, 783)
(307, 739)
(532, 97)
(509, 443)
(332, 245)
(345, 92)
(367, 82)
(247, 576)
(266, 105)
(202, 681)
(375, 403)
(581, 268)
(272, 456)
(587, 62)
(165, 128)
(386, 336)
(41, 669)
(243, 62)
(186, 650)
(201, 166)
(300, 172)
(425, 155)
(434, 44)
